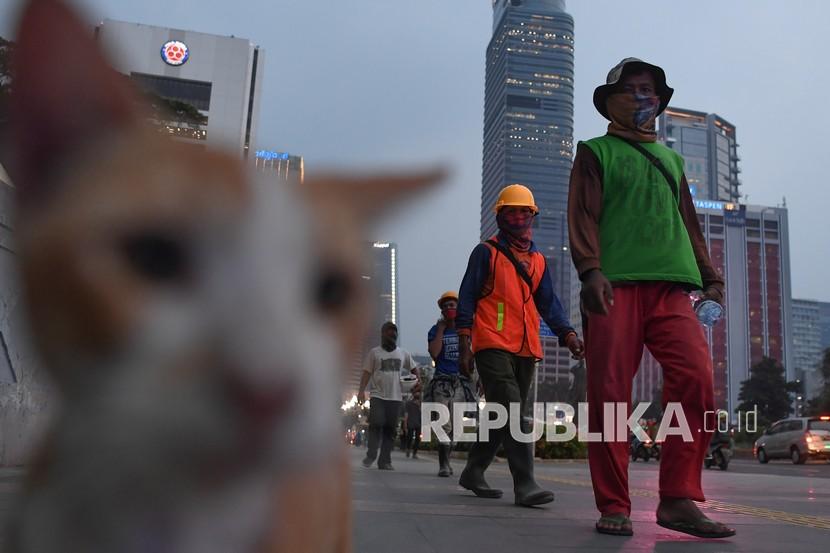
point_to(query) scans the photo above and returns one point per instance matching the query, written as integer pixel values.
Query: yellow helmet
(449, 295)
(517, 195)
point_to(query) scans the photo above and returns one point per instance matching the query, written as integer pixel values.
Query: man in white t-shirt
(383, 368)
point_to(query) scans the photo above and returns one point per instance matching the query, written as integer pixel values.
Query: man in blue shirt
(447, 385)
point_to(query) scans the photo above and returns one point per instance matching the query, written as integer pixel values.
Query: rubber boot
(444, 460)
(520, 459)
(479, 458)
(449, 458)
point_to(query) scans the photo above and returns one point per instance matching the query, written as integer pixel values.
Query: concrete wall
(24, 395)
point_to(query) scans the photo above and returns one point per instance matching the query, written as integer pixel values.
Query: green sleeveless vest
(642, 235)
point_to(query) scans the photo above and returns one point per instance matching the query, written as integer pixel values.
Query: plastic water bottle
(708, 312)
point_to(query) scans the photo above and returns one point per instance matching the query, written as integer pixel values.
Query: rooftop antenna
(784, 199)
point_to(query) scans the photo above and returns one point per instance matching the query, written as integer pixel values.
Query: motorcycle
(643, 450)
(719, 455)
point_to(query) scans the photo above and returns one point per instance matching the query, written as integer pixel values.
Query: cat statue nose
(260, 404)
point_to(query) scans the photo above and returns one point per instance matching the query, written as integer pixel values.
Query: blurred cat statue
(196, 319)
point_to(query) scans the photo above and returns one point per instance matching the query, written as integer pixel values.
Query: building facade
(708, 144)
(808, 347)
(382, 282)
(528, 135)
(749, 245)
(824, 323)
(210, 83)
(26, 394)
(284, 166)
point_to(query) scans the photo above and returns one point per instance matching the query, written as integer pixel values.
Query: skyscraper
(382, 281)
(211, 82)
(708, 145)
(528, 133)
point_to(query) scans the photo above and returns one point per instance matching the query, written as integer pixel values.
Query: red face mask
(450, 314)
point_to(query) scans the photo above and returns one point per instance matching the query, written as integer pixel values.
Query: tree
(174, 110)
(820, 405)
(768, 390)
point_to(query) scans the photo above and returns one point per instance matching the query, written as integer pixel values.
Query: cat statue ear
(367, 197)
(65, 94)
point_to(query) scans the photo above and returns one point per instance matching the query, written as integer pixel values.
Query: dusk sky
(386, 83)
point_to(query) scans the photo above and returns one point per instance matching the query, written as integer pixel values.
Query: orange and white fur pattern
(196, 322)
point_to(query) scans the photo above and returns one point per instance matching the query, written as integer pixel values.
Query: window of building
(195, 93)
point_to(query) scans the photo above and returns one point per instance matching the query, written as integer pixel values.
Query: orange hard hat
(516, 195)
(448, 295)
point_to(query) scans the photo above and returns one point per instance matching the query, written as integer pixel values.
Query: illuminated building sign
(708, 204)
(734, 215)
(174, 52)
(268, 155)
(381, 244)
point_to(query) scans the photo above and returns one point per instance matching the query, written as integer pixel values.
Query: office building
(808, 348)
(528, 135)
(384, 304)
(708, 145)
(749, 245)
(208, 85)
(282, 165)
(824, 323)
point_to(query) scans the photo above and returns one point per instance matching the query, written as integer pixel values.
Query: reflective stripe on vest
(506, 318)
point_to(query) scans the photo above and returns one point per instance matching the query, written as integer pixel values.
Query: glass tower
(708, 145)
(528, 133)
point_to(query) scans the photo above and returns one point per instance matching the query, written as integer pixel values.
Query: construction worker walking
(448, 385)
(506, 287)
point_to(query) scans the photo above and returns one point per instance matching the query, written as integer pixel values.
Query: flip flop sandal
(616, 519)
(693, 529)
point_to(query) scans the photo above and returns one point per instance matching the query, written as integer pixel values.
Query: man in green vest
(639, 252)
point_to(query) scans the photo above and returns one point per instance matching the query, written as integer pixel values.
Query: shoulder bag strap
(656, 162)
(512, 258)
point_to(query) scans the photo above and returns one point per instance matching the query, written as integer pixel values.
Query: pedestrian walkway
(410, 510)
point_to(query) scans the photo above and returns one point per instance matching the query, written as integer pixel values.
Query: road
(811, 469)
(776, 508)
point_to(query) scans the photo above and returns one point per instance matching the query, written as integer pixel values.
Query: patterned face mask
(516, 227)
(633, 116)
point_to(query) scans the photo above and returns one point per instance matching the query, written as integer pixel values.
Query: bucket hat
(626, 67)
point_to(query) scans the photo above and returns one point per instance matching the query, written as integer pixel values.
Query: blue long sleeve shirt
(478, 271)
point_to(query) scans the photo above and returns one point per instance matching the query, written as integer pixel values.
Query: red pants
(658, 315)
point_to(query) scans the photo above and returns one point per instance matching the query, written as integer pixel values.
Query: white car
(796, 439)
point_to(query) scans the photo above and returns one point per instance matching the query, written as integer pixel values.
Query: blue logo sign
(693, 190)
(544, 330)
(708, 204)
(269, 155)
